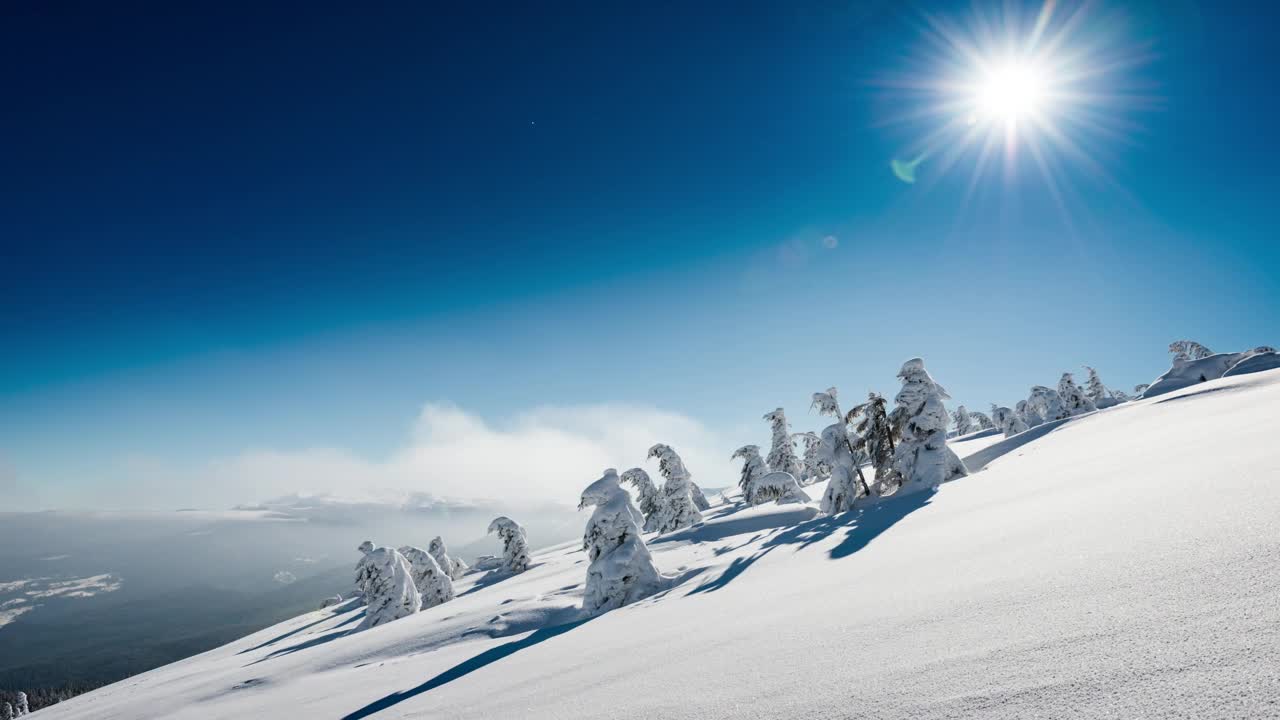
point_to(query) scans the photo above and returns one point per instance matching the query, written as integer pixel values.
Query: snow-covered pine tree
(876, 437)
(923, 458)
(1139, 389)
(753, 468)
(1073, 396)
(21, 709)
(1007, 420)
(814, 469)
(650, 498)
(828, 404)
(981, 420)
(1028, 414)
(433, 583)
(699, 499)
(1120, 396)
(678, 508)
(1094, 388)
(6, 712)
(454, 566)
(1047, 403)
(1184, 350)
(515, 545)
(963, 423)
(843, 488)
(385, 578)
(782, 453)
(621, 570)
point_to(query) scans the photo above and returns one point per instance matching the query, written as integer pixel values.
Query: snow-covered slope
(1124, 563)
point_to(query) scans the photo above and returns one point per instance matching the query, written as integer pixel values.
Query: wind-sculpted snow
(1117, 564)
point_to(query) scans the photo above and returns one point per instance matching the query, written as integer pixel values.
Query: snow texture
(1185, 373)
(649, 497)
(433, 583)
(678, 509)
(621, 570)
(454, 566)
(923, 458)
(1259, 362)
(385, 578)
(515, 545)
(782, 453)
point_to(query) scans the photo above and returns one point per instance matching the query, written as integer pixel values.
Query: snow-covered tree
(515, 545)
(650, 498)
(876, 437)
(1139, 389)
(1073, 396)
(1047, 403)
(1184, 350)
(814, 469)
(1007, 420)
(843, 488)
(454, 566)
(827, 404)
(1120, 395)
(1028, 414)
(753, 468)
(6, 712)
(782, 453)
(981, 420)
(923, 458)
(964, 424)
(699, 499)
(433, 583)
(621, 570)
(331, 601)
(678, 509)
(21, 709)
(385, 578)
(1094, 388)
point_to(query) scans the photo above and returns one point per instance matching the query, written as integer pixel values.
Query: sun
(1010, 91)
(1041, 86)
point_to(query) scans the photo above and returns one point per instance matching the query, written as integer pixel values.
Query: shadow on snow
(462, 669)
(861, 527)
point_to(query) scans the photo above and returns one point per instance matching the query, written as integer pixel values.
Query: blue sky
(242, 227)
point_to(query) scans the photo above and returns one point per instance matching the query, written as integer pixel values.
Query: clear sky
(250, 229)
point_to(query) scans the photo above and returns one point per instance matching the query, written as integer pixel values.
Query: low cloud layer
(546, 455)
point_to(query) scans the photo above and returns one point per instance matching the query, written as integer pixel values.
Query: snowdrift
(1122, 563)
(1185, 373)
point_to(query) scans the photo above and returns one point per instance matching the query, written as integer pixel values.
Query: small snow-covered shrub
(385, 578)
(515, 546)
(454, 566)
(1047, 404)
(963, 423)
(1007, 420)
(782, 454)
(433, 583)
(923, 459)
(649, 497)
(678, 509)
(621, 570)
(1073, 396)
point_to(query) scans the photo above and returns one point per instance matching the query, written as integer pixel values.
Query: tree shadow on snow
(980, 460)
(462, 669)
(710, 532)
(338, 610)
(494, 576)
(863, 526)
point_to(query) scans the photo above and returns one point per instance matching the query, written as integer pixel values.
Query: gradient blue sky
(239, 226)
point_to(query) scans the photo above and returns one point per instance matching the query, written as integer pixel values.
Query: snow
(1255, 363)
(1119, 563)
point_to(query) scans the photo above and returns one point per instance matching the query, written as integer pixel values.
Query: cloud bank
(546, 455)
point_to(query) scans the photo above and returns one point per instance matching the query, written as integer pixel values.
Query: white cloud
(544, 455)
